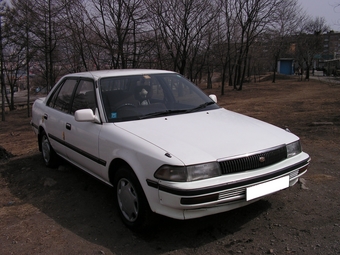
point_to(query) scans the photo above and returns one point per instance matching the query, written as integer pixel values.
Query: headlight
(189, 173)
(293, 149)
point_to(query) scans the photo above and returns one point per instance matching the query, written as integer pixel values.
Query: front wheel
(131, 201)
(49, 156)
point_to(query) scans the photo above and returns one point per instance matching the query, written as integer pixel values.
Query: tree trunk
(275, 69)
(3, 88)
(28, 75)
(307, 73)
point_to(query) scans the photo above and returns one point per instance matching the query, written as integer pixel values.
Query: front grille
(257, 160)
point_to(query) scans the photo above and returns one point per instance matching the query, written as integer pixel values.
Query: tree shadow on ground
(85, 207)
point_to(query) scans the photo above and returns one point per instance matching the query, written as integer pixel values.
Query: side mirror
(213, 97)
(86, 115)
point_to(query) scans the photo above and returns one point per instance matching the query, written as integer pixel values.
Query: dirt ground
(64, 211)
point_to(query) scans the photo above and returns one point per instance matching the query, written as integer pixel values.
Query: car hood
(209, 135)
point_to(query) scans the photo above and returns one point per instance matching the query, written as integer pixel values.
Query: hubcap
(46, 149)
(127, 199)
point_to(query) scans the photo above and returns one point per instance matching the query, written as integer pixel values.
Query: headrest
(143, 93)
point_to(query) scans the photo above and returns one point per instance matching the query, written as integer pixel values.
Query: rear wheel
(49, 156)
(131, 201)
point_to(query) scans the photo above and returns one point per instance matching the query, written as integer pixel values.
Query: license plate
(267, 188)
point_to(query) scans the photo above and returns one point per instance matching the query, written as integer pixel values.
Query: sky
(323, 8)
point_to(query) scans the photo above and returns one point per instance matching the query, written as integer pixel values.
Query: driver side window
(84, 97)
(61, 100)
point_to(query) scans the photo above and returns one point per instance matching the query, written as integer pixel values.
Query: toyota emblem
(262, 159)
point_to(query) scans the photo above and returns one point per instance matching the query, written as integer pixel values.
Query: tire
(131, 202)
(48, 154)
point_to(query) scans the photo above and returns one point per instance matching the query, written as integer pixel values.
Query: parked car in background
(164, 145)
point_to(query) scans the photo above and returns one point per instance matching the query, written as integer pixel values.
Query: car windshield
(151, 95)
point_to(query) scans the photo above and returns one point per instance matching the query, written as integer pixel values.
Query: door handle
(68, 126)
(45, 116)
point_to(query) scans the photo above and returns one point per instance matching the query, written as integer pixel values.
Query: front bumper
(205, 200)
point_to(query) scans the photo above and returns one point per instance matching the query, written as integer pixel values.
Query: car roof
(96, 75)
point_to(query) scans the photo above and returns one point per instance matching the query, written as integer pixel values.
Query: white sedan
(164, 145)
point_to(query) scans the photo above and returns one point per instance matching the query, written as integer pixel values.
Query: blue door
(286, 67)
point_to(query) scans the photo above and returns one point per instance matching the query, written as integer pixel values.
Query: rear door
(56, 113)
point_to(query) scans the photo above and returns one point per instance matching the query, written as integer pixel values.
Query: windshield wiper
(170, 112)
(202, 106)
(161, 113)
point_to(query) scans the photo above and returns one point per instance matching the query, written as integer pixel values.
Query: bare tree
(286, 20)
(14, 60)
(20, 36)
(48, 30)
(310, 41)
(228, 37)
(181, 26)
(191, 37)
(3, 7)
(14, 53)
(253, 17)
(81, 47)
(243, 21)
(117, 24)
